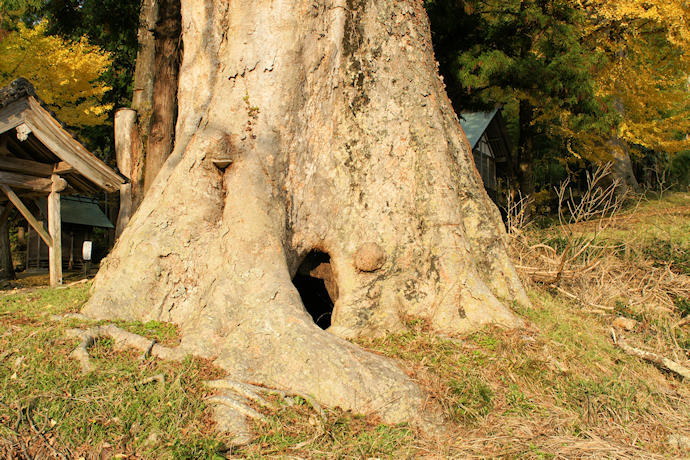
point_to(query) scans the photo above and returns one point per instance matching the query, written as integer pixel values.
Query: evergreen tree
(532, 52)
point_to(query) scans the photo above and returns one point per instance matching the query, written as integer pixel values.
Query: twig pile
(578, 264)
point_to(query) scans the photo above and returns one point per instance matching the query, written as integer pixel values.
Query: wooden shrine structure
(40, 158)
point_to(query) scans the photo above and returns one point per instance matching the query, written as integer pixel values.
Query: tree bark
(621, 169)
(142, 102)
(339, 138)
(525, 154)
(164, 102)
(126, 141)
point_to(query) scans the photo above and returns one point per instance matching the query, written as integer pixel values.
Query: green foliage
(539, 391)
(572, 75)
(666, 252)
(683, 306)
(532, 56)
(109, 24)
(678, 167)
(472, 398)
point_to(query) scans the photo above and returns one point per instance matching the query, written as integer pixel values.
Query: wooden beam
(63, 168)
(61, 143)
(32, 168)
(3, 146)
(27, 214)
(55, 229)
(25, 182)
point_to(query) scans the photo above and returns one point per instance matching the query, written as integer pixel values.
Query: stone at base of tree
(677, 441)
(625, 323)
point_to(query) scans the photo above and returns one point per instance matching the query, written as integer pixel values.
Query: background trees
(530, 55)
(582, 81)
(65, 73)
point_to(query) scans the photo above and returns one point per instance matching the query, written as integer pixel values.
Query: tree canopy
(66, 74)
(583, 71)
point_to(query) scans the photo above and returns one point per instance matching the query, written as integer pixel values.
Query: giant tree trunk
(342, 140)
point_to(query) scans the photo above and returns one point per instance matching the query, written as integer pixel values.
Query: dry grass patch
(558, 388)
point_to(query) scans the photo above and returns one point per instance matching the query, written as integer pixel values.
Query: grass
(43, 397)
(557, 388)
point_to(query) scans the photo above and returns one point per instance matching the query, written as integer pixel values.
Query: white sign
(86, 250)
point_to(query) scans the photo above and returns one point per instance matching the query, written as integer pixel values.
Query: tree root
(78, 316)
(123, 339)
(231, 408)
(236, 402)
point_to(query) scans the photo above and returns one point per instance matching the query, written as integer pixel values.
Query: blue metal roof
(475, 123)
(78, 210)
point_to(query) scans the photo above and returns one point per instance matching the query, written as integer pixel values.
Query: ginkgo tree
(647, 75)
(64, 73)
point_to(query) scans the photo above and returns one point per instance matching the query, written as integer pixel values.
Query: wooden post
(55, 229)
(125, 126)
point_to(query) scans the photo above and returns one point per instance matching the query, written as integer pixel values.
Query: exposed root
(78, 316)
(81, 353)
(123, 339)
(230, 421)
(158, 378)
(251, 392)
(238, 405)
(232, 408)
(242, 389)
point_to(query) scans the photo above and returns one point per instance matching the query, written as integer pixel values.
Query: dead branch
(683, 322)
(158, 378)
(74, 283)
(659, 361)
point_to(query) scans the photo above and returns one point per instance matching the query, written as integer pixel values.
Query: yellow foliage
(674, 15)
(65, 74)
(647, 75)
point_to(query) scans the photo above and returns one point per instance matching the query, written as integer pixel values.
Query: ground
(557, 388)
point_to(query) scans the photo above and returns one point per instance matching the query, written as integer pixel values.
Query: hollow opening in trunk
(317, 287)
